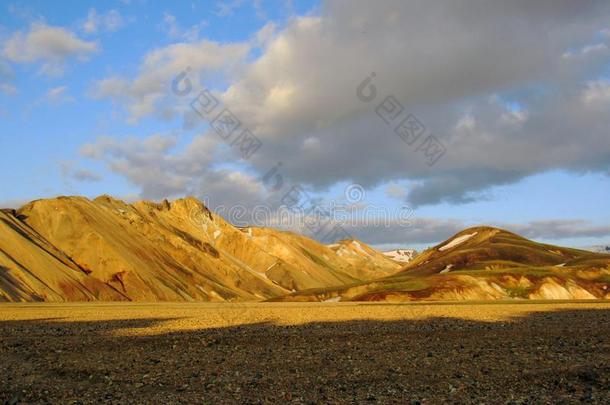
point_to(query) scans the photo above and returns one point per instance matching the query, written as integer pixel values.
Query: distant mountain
(76, 249)
(401, 255)
(483, 263)
(362, 256)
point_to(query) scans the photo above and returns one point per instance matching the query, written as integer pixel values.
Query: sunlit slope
(316, 263)
(31, 269)
(492, 248)
(288, 260)
(484, 263)
(168, 251)
(146, 250)
(370, 263)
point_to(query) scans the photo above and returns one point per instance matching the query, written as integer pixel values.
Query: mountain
(401, 255)
(370, 262)
(75, 249)
(483, 263)
(31, 269)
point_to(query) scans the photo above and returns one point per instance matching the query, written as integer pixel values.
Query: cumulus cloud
(163, 171)
(461, 67)
(148, 93)
(289, 94)
(52, 46)
(110, 21)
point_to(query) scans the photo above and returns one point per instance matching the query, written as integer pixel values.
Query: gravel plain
(493, 353)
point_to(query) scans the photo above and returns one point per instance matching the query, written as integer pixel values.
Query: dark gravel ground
(543, 358)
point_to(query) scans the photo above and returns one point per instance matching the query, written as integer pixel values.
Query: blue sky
(42, 134)
(86, 109)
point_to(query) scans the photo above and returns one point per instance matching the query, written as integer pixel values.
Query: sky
(435, 115)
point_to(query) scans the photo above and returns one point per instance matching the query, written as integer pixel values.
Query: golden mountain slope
(484, 263)
(370, 262)
(31, 269)
(107, 249)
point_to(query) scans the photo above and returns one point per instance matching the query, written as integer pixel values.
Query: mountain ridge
(72, 248)
(159, 251)
(483, 263)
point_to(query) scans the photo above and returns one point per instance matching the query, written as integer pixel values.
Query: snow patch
(334, 299)
(457, 241)
(217, 233)
(400, 255)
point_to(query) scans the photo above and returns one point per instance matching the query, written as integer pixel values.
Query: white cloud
(588, 50)
(161, 171)
(174, 31)
(149, 92)
(110, 21)
(299, 96)
(594, 48)
(265, 34)
(52, 46)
